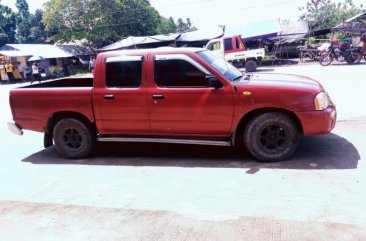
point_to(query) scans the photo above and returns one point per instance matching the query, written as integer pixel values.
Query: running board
(166, 140)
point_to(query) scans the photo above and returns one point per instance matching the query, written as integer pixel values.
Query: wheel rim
(273, 138)
(72, 139)
(326, 59)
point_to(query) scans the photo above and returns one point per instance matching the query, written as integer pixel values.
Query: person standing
(92, 64)
(9, 71)
(35, 73)
(21, 70)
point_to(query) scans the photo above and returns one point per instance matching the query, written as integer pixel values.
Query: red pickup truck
(174, 95)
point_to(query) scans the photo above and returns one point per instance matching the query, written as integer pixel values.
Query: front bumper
(318, 122)
(15, 128)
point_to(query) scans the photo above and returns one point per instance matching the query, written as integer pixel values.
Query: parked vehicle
(335, 51)
(234, 50)
(174, 95)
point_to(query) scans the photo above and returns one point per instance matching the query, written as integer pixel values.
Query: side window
(124, 74)
(216, 45)
(178, 73)
(228, 44)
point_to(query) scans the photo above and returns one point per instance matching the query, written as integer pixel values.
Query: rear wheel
(251, 65)
(74, 139)
(353, 58)
(271, 137)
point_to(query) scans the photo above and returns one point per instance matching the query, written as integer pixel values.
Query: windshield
(226, 69)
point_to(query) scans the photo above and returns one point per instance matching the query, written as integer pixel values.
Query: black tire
(74, 139)
(251, 65)
(326, 59)
(354, 58)
(271, 137)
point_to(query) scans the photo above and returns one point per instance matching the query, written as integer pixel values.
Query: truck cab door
(182, 102)
(234, 44)
(120, 99)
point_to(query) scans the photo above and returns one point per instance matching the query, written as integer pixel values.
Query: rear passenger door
(183, 103)
(121, 104)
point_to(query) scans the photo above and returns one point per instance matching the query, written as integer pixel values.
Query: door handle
(158, 97)
(109, 97)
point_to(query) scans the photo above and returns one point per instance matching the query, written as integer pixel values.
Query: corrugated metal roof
(202, 34)
(133, 41)
(281, 28)
(197, 35)
(45, 50)
(13, 53)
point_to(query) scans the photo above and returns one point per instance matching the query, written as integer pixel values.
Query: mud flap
(47, 139)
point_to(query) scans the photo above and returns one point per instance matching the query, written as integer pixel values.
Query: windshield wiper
(237, 77)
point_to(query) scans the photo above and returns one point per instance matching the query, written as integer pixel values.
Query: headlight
(321, 101)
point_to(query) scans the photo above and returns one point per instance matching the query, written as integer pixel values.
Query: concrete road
(173, 192)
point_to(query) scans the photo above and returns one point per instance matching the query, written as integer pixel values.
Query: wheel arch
(56, 117)
(256, 112)
(252, 58)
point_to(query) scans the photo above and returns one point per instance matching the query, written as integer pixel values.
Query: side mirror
(214, 82)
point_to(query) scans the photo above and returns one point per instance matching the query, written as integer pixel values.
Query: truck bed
(34, 104)
(64, 83)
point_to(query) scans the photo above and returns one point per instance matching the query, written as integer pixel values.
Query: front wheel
(251, 65)
(271, 137)
(74, 139)
(325, 59)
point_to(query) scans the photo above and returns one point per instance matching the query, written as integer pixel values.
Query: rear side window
(228, 44)
(239, 44)
(178, 73)
(126, 74)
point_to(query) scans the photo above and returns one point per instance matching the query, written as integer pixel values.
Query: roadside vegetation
(103, 22)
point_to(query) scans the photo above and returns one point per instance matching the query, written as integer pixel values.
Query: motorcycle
(339, 52)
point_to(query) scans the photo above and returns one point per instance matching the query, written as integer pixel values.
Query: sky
(210, 13)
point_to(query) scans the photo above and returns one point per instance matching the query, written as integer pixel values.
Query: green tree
(30, 28)
(7, 25)
(23, 9)
(167, 25)
(99, 21)
(322, 14)
(37, 32)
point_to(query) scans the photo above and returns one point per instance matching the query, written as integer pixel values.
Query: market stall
(355, 30)
(14, 58)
